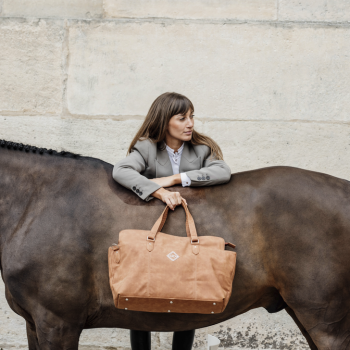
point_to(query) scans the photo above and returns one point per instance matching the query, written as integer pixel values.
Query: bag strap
(190, 226)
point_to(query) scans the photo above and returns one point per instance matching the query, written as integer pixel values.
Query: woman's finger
(168, 202)
(172, 201)
(178, 198)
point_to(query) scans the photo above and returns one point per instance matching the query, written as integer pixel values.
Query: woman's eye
(183, 118)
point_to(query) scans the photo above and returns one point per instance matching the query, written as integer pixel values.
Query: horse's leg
(140, 340)
(302, 329)
(54, 333)
(30, 326)
(327, 323)
(32, 337)
(60, 337)
(183, 340)
(333, 335)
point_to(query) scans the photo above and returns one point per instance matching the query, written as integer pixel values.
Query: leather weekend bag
(156, 272)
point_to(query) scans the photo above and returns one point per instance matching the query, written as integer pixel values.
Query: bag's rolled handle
(190, 226)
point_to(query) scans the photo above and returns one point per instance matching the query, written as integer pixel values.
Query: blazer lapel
(163, 164)
(189, 160)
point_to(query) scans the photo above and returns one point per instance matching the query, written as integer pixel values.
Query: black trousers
(141, 340)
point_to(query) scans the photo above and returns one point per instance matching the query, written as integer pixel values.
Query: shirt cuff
(186, 181)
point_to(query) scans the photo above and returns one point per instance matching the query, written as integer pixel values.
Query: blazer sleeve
(213, 172)
(127, 172)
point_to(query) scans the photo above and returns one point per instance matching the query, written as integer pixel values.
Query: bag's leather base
(169, 305)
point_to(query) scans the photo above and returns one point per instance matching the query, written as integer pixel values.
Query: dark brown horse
(60, 212)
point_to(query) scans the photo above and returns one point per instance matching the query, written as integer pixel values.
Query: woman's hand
(172, 199)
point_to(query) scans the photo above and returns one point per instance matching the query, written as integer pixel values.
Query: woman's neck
(173, 143)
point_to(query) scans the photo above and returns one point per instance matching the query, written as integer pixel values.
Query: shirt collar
(172, 151)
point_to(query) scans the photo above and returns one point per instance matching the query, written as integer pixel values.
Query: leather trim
(195, 248)
(149, 245)
(172, 305)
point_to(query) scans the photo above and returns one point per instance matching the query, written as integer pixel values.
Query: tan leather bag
(156, 272)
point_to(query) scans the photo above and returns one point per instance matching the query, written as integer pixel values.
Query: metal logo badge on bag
(172, 256)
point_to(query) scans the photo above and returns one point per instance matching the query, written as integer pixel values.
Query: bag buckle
(149, 239)
(115, 247)
(195, 241)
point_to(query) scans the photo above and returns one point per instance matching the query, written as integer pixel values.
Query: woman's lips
(188, 132)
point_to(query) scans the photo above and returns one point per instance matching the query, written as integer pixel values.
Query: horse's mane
(27, 148)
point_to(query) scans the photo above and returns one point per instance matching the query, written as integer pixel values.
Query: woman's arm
(213, 172)
(168, 181)
(127, 173)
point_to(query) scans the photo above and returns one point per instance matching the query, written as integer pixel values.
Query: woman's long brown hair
(155, 124)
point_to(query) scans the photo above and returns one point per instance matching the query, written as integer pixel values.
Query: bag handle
(190, 226)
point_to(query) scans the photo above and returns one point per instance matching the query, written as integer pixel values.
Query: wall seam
(305, 121)
(203, 120)
(163, 20)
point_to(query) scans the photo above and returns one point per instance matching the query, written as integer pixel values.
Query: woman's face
(181, 126)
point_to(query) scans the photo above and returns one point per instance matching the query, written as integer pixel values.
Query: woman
(167, 151)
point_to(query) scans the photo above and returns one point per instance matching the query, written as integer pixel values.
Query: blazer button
(203, 178)
(137, 191)
(208, 177)
(199, 178)
(140, 193)
(134, 188)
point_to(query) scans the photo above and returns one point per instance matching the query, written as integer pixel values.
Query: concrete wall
(269, 79)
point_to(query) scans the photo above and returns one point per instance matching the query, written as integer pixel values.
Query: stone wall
(269, 79)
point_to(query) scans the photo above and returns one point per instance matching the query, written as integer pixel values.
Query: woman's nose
(190, 123)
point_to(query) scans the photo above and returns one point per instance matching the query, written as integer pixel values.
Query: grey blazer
(146, 161)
